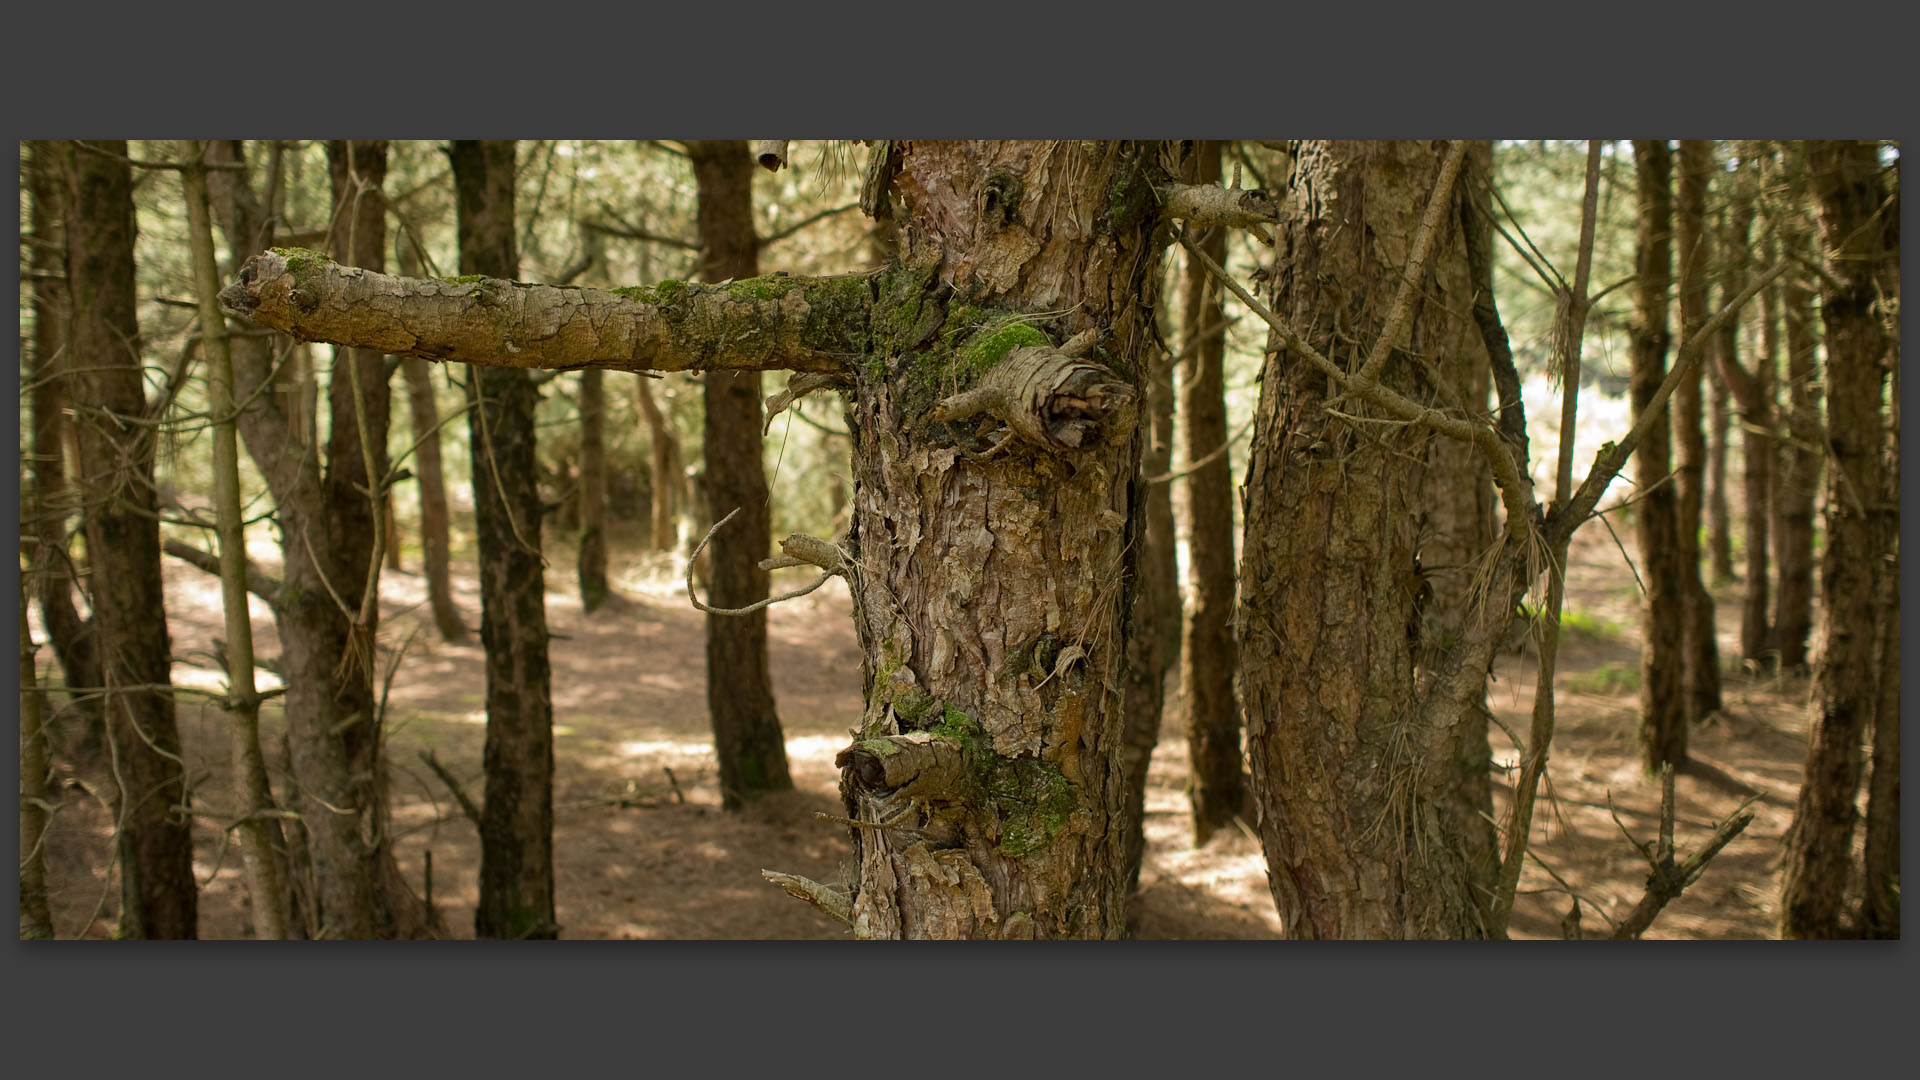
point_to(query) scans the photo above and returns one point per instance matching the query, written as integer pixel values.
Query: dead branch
(771, 154)
(259, 582)
(1207, 205)
(467, 806)
(800, 549)
(832, 903)
(1668, 880)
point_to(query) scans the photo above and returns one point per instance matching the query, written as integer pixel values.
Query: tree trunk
(1702, 685)
(430, 475)
(260, 843)
(36, 922)
(1663, 711)
(660, 440)
(1208, 653)
(1752, 391)
(991, 592)
(1801, 458)
(1360, 832)
(593, 489)
(1861, 237)
(81, 740)
(115, 464)
(516, 824)
(746, 727)
(1156, 602)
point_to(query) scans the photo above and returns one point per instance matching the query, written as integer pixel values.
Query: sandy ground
(643, 849)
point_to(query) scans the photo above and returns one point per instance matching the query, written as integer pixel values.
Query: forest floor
(643, 850)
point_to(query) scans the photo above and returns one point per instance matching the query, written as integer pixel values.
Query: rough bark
(1698, 645)
(1663, 711)
(1801, 456)
(1208, 652)
(746, 725)
(1719, 513)
(1859, 227)
(1752, 392)
(260, 843)
(115, 480)
(430, 475)
(1156, 610)
(1358, 826)
(593, 489)
(991, 591)
(516, 822)
(81, 738)
(1880, 907)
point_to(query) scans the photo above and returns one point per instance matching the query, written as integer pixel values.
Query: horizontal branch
(259, 582)
(764, 323)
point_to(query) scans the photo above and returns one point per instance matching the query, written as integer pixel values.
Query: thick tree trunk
(429, 473)
(593, 489)
(1208, 652)
(746, 726)
(991, 592)
(1359, 830)
(115, 463)
(516, 823)
(82, 738)
(1698, 645)
(1663, 711)
(1861, 234)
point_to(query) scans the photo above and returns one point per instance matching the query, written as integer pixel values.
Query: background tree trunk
(1861, 234)
(746, 725)
(430, 476)
(991, 595)
(593, 489)
(1360, 835)
(516, 825)
(1698, 645)
(1208, 653)
(1802, 458)
(1752, 391)
(152, 835)
(1719, 419)
(666, 481)
(36, 922)
(1663, 710)
(81, 738)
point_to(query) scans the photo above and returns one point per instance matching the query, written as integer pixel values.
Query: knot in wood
(1051, 400)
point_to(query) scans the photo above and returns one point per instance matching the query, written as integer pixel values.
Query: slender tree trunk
(1752, 391)
(1719, 512)
(116, 452)
(1860, 230)
(1663, 715)
(1359, 831)
(660, 439)
(746, 726)
(49, 566)
(593, 489)
(259, 840)
(516, 825)
(1208, 653)
(1697, 621)
(1801, 456)
(36, 922)
(991, 593)
(1880, 908)
(430, 474)
(1156, 596)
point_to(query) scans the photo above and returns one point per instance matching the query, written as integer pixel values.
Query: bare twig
(467, 806)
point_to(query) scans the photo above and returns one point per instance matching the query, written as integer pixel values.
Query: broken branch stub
(1051, 400)
(918, 763)
(1211, 204)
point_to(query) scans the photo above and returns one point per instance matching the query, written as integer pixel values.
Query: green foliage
(1610, 679)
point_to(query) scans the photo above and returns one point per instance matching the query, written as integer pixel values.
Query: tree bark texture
(1360, 831)
(115, 479)
(1718, 509)
(1208, 652)
(1702, 654)
(992, 587)
(36, 921)
(81, 737)
(1860, 230)
(516, 823)
(1663, 711)
(746, 724)
(661, 443)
